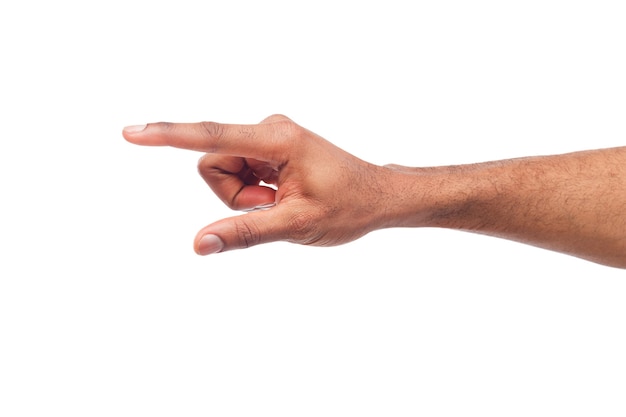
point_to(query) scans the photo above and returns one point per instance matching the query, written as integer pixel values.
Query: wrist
(434, 196)
(410, 197)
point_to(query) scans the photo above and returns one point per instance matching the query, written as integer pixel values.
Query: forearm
(573, 203)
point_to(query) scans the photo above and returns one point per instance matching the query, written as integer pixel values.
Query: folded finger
(234, 182)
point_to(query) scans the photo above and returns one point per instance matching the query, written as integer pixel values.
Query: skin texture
(321, 195)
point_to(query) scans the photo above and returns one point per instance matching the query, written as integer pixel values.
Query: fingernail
(261, 207)
(134, 129)
(209, 244)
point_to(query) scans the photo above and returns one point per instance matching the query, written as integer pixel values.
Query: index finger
(260, 141)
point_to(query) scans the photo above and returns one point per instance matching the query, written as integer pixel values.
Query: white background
(105, 310)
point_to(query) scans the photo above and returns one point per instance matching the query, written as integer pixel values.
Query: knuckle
(212, 131)
(276, 118)
(206, 165)
(163, 127)
(289, 132)
(285, 132)
(203, 163)
(247, 233)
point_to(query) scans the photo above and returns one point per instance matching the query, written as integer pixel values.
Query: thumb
(240, 232)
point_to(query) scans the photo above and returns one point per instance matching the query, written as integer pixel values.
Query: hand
(319, 194)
